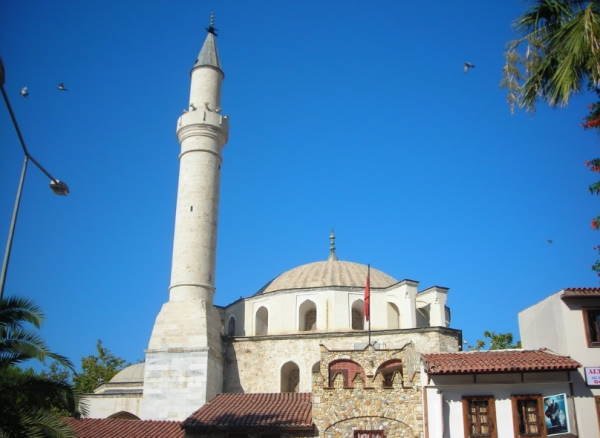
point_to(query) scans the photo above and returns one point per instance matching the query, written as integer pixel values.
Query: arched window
(316, 368)
(388, 369)
(358, 318)
(307, 316)
(290, 377)
(231, 326)
(347, 368)
(393, 316)
(261, 324)
(123, 415)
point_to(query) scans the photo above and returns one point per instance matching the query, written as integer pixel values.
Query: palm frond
(14, 310)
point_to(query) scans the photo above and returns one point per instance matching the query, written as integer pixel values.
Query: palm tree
(30, 405)
(558, 52)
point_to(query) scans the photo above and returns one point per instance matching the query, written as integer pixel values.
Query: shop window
(479, 417)
(347, 368)
(528, 417)
(591, 319)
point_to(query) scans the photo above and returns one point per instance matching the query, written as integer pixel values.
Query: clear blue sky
(343, 114)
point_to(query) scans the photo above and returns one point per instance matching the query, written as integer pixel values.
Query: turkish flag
(368, 294)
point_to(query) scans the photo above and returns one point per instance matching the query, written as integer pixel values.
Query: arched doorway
(358, 317)
(307, 316)
(261, 324)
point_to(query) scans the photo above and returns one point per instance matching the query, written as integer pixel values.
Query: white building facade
(568, 322)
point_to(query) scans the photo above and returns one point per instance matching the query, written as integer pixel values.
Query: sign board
(557, 414)
(592, 376)
(369, 434)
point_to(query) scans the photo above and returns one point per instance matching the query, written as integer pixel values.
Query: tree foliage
(98, 369)
(30, 404)
(495, 341)
(557, 54)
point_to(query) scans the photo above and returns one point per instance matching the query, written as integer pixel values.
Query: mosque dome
(331, 272)
(132, 373)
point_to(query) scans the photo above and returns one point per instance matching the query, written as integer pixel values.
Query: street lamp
(57, 186)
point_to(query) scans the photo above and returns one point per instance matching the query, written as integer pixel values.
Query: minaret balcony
(203, 119)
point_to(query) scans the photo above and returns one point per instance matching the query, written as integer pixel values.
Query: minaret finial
(332, 255)
(211, 24)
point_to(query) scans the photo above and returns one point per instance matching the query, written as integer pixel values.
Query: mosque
(302, 334)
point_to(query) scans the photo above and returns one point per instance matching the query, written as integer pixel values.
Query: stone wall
(253, 364)
(397, 410)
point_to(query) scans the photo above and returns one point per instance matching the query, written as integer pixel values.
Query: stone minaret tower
(184, 366)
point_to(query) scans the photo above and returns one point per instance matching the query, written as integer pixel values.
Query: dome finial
(332, 255)
(211, 24)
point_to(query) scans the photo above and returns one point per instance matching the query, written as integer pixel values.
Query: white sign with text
(592, 376)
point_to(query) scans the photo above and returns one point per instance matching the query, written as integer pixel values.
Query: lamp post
(58, 187)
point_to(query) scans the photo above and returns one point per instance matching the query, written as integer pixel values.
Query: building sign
(556, 414)
(592, 376)
(369, 434)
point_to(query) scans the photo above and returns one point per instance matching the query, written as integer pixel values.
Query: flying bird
(24, 92)
(61, 87)
(550, 241)
(468, 66)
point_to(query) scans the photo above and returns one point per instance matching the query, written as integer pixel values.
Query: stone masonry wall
(398, 410)
(253, 364)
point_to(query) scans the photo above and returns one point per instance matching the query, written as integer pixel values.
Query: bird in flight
(61, 87)
(24, 92)
(468, 66)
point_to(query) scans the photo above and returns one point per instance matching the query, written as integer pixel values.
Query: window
(597, 398)
(308, 316)
(591, 320)
(231, 326)
(358, 317)
(393, 316)
(527, 416)
(479, 417)
(261, 325)
(290, 377)
(390, 370)
(348, 369)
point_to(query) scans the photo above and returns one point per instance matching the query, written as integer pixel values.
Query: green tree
(557, 54)
(98, 369)
(495, 341)
(29, 403)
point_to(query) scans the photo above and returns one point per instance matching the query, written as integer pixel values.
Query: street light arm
(57, 186)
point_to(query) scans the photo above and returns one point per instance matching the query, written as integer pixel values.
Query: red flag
(368, 294)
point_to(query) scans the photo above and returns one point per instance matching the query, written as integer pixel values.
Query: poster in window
(556, 414)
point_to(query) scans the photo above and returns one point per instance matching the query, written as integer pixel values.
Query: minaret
(184, 366)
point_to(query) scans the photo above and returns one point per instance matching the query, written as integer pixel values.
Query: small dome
(132, 373)
(328, 273)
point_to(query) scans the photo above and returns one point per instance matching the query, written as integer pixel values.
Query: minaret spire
(332, 255)
(209, 55)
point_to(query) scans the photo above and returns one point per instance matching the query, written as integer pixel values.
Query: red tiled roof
(119, 428)
(499, 361)
(258, 412)
(592, 292)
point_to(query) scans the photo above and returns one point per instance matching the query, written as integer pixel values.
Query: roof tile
(468, 362)
(119, 428)
(287, 411)
(591, 292)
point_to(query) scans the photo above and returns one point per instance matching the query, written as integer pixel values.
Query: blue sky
(345, 114)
